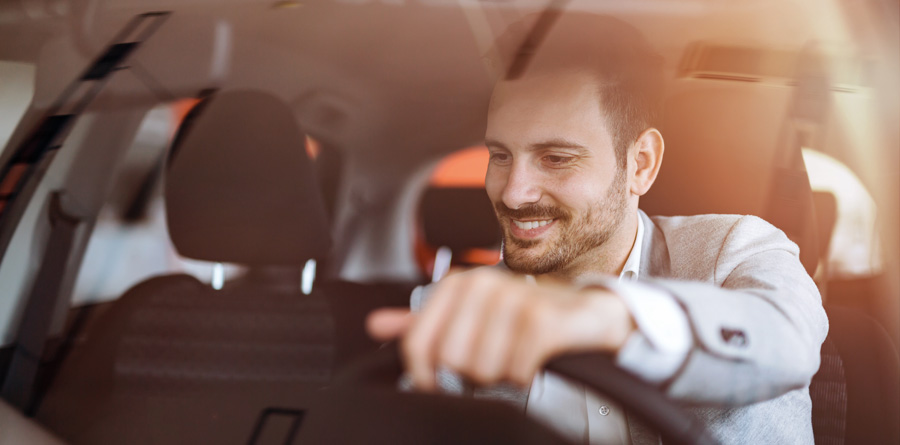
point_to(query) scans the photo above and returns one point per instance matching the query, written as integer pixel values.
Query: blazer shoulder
(714, 224)
(711, 226)
(695, 242)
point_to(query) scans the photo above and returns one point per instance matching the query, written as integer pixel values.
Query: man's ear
(647, 154)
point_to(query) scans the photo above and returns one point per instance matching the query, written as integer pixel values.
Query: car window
(16, 91)
(855, 246)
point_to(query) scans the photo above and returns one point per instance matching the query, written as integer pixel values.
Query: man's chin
(529, 261)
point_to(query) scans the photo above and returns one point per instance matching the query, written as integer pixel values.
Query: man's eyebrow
(557, 143)
(494, 143)
(550, 143)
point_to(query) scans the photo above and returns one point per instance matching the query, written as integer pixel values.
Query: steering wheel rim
(596, 371)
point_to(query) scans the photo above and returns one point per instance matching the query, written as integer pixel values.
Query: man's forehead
(547, 106)
(546, 86)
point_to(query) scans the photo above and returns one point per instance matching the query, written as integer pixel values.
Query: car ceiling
(394, 81)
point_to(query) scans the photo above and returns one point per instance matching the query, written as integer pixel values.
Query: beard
(577, 234)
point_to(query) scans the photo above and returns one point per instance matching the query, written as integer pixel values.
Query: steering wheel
(383, 367)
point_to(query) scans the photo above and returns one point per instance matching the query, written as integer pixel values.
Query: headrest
(727, 152)
(240, 187)
(459, 218)
(455, 209)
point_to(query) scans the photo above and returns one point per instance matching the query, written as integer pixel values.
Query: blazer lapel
(654, 252)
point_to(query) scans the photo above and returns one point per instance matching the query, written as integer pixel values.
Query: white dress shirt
(654, 352)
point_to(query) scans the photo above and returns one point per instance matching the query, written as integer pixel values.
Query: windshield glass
(200, 204)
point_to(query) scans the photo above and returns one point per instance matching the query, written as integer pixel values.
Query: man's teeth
(528, 225)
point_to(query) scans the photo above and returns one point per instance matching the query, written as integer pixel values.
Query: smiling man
(566, 203)
(716, 310)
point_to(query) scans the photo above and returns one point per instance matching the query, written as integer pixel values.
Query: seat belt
(42, 304)
(790, 198)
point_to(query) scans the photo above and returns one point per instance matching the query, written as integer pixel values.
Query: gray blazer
(757, 321)
(757, 329)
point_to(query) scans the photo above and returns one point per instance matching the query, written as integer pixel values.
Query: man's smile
(530, 229)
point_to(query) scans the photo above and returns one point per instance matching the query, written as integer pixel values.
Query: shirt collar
(632, 266)
(633, 263)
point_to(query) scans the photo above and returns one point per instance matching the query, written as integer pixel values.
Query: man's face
(553, 178)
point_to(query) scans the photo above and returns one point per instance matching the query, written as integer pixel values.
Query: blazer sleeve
(757, 332)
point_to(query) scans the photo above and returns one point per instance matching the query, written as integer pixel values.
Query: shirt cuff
(663, 339)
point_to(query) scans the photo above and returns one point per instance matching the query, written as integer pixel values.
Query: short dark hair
(628, 70)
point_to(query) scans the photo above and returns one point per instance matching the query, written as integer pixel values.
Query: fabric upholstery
(828, 392)
(872, 371)
(240, 187)
(460, 218)
(189, 337)
(707, 168)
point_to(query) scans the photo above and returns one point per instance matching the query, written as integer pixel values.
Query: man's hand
(491, 326)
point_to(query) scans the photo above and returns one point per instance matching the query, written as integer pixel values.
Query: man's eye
(499, 157)
(557, 160)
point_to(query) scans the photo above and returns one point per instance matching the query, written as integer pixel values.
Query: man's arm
(491, 326)
(756, 329)
(757, 332)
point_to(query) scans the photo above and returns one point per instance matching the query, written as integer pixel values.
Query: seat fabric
(239, 188)
(855, 394)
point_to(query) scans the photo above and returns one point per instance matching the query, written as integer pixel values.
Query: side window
(16, 91)
(847, 219)
(130, 241)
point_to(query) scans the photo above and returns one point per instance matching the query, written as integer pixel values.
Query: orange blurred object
(465, 168)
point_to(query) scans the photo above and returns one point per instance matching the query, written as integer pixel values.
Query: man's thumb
(389, 323)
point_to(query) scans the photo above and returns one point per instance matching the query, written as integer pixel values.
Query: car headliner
(398, 82)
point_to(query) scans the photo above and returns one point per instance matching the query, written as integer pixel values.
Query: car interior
(200, 203)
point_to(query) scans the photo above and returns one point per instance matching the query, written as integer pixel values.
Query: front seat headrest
(240, 187)
(725, 153)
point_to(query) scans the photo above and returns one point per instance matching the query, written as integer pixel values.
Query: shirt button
(604, 410)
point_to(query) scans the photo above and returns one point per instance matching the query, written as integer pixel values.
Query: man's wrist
(603, 321)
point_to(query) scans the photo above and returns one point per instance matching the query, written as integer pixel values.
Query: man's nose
(522, 187)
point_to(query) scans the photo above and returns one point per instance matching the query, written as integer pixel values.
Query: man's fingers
(456, 348)
(533, 344)
(389, 323)
(494, 349)
(419, 343)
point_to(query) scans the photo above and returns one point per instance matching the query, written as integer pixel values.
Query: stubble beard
(576, 237)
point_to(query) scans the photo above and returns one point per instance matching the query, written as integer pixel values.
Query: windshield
(201, 203)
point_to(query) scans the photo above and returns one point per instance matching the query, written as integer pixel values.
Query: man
(716, 310)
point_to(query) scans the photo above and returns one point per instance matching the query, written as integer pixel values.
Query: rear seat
(240, 189)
